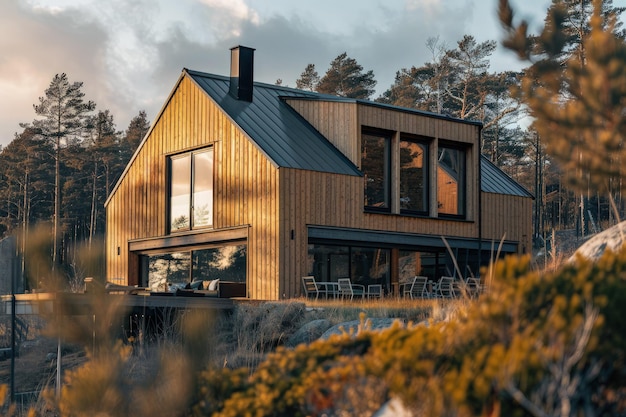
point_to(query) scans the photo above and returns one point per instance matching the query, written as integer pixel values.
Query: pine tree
(26, 181)
(137, 129)
(64, 116)
(577, 105)
(468, 89)
(308, 79)
(345, 78)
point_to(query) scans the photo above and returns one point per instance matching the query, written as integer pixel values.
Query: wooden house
(262, 184)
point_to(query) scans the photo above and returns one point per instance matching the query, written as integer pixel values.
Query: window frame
(191, 192)
(387, 169)
(461, 200)
(425, 142)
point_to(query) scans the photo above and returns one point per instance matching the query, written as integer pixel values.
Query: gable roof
(278, 130)
(289, 140)
(494, 180)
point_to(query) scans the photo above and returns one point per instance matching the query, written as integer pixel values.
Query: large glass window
(168, 269)
(191, 190)
(451, 181)
(363, 265)
(226, 263)
(413, 176)
(375, 161)
(412, 263)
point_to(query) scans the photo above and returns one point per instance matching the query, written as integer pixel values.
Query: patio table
(329, 288)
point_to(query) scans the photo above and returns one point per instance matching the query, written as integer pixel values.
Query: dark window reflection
(413, 176)
(375, 168)
(170, 270)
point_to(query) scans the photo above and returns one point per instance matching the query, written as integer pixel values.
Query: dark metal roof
(494, 180)
(279, 131)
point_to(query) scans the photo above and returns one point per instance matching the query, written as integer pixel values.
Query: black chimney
(241, 72)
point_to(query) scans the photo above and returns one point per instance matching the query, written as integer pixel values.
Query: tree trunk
(57, 203)
(92, 221)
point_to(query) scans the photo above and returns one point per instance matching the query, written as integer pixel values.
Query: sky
(129, 53)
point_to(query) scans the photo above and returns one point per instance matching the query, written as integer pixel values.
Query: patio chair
(416, 288)
(347, 288)
(375, 291)
(472, 286)
(310, 287)
(445, 288)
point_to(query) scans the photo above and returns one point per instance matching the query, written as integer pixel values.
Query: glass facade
(163, 270)
(363, 265)
(412, 263)
(368, 265)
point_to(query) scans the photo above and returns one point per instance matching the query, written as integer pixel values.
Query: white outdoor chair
(416, 288)
(375, 291)
(347, 288)
(444, 288)
(310, 287)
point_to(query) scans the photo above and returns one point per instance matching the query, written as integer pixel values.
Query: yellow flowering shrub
(513, 347)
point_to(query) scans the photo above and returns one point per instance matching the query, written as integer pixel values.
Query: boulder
(612, 239)
(309, 332)
(354, 326)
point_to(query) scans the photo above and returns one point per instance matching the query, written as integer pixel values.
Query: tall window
(375, 161)
(191, 190)
(451, 181)
(413, 176)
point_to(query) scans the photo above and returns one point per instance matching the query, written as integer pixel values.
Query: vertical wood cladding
(508, 217)
(245, 188)
(279, 204)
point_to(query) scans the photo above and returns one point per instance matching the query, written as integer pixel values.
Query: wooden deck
(44, 303)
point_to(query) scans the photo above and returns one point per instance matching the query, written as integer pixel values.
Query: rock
(352, 327)
(612, 238)
(309, 332)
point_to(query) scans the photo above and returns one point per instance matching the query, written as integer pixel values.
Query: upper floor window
(191, 190)
(375, 162)
(451, 180)
(413, 176)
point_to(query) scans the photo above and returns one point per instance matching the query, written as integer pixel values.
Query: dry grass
(242, 338)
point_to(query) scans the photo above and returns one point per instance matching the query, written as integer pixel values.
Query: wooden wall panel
(245, 188)
(508, 217)
(316, 198)
(335, 120)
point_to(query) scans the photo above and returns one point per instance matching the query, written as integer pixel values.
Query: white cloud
(227, 16)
